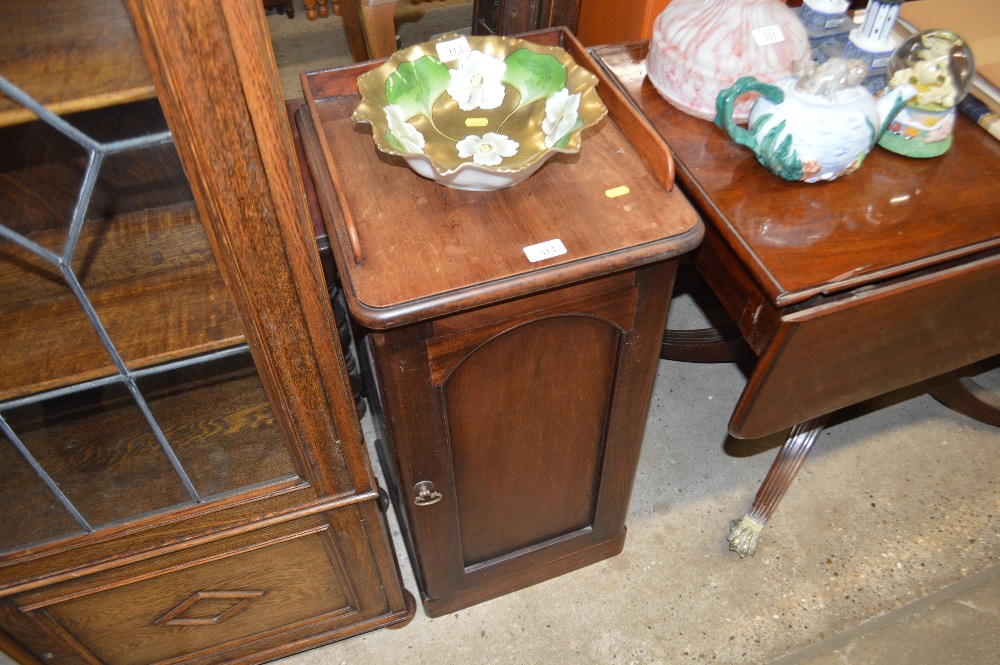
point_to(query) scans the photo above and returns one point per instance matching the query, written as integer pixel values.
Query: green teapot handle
(727, 99)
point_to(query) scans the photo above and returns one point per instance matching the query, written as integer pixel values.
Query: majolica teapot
(818, 125)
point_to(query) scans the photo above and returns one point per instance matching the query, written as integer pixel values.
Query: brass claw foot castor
(744, 535)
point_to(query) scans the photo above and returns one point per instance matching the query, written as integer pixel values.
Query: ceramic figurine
(817, 126)
(873, 42)
(827, 25)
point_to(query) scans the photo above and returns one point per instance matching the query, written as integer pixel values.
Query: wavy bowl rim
(366, 109)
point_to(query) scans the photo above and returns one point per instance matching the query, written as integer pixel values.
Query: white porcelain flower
(478, 82)
(404, 132)
(488, 149)
(561, 110)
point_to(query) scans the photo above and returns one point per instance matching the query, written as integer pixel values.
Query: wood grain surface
(70, 56)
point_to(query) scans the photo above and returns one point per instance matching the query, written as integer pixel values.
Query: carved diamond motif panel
(208, 608)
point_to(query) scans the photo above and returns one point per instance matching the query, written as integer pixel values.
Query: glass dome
(938, 63)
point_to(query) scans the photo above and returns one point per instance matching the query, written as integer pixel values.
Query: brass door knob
(425, 494)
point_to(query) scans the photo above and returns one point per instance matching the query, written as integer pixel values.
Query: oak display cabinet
(510, 397)
(183, 478)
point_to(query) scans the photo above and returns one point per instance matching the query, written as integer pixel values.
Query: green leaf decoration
(564, 141)
(779, 158)
(415, 85)
(534, 75)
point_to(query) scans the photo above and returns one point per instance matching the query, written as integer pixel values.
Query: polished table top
(891, 217)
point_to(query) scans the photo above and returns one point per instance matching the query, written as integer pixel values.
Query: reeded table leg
(745, 534)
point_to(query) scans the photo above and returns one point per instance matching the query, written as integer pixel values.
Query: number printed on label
(545, 250)
(453, 49)
(769, 35)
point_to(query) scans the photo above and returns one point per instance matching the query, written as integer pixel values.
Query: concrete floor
(884, 550)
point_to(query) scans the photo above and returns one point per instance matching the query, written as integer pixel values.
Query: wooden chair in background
(372, 25)
(318, 9)
(286, 7)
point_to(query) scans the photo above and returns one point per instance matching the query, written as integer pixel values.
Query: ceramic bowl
(478, 113)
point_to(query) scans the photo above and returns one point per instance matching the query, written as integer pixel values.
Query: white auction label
(453, 49)
(769, 35)
(545, 250)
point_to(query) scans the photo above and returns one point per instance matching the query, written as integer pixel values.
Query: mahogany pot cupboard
(509, 395)
(183, 477)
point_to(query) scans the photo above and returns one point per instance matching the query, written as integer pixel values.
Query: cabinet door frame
(216, 78)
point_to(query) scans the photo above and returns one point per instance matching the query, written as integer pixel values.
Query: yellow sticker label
(476, 122)
(615, 192)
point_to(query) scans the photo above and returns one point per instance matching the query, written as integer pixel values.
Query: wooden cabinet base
(578, 559)
(247, 598)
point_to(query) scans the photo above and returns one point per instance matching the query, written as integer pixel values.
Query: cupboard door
(526, 413)
(527, 419)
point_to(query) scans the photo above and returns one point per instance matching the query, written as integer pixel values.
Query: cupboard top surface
(427, 250)
(70, 56)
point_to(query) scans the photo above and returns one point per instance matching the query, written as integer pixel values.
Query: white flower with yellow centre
(487, 150)
(478, 82)
(404, 132)
(561, 112)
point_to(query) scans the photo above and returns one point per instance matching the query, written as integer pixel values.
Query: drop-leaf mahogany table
(845, 290)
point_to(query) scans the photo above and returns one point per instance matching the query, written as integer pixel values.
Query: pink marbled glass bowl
(700, 47)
